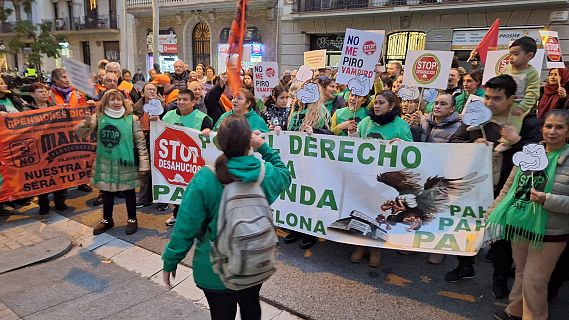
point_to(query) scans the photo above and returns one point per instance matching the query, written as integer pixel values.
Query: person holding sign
(117, 165)
(332, 101)
(472, 82)
(554, 93)
(383, 121)
(531, 211)
(62, 93)
(347, 119)
(244, 103)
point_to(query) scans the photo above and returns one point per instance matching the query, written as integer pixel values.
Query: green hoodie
(254, 119)
(460, 100)
(200, 206)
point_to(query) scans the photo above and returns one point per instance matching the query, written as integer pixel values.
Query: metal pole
(155, 31)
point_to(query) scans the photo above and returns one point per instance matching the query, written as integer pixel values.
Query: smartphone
(161, 90)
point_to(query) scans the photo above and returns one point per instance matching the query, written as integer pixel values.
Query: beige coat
(85, 128)
(556, 202)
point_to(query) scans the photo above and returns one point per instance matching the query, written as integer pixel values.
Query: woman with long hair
(554, 96)
(244, 104)
(277, 109)
(198, 215)
(472, 82)
(347, 118)
(200, 70)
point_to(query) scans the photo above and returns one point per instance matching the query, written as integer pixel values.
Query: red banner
(41, 152)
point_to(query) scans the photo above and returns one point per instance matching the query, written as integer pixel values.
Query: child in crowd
(121, 156)
(277, 109)
(527, 81)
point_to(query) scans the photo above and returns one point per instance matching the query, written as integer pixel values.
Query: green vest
(255, 121)
(397, 128)
(30, 72)
(193, 120)
(115, 152)
(345, 114)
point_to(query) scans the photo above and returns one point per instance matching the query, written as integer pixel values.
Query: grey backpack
(244, 252)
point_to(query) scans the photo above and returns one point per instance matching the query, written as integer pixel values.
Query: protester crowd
(523, 111)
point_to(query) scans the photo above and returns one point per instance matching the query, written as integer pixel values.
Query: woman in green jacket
(472, 85)
(349, 117)
(197, 218)
(244, 103)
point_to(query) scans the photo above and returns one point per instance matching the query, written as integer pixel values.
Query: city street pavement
(321, 283)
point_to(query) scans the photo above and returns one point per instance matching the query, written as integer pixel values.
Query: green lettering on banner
(447, 242)
(468, 212)
(277, 214)
(319, 228)
(295, 144)
(290, 166)
(291, 219)
(445, 222)
(454, 209)
(160, 190)
(290, 192)
(361, 149)
(305, 223)
(480, 224)
(205, 140)
(310, 143)
(307, 191)
(384, 154)
(405, 157)
(422, 237)
(345, 151)
(328, 200)
(462, 226)
(327, 147)
(178, 194)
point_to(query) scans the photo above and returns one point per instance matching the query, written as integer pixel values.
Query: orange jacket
(74, 100)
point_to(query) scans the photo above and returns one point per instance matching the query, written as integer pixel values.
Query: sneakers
(141, 204)
(503, 315)
(460, 273)
(500, 288)
(103, 226)
(98, 201)
(171, 221)
(85, 188)
(358, 254)
(435, 258)
(131, 226)
(307, 242)
(162, 207)
(292, 236)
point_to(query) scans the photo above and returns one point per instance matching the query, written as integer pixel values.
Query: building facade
(441, 24)
(196, 31)
(90, 29)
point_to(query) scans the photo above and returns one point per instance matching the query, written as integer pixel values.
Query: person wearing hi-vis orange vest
(62, 93)
(123, 86)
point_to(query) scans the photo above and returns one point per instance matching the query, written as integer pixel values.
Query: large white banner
(408, 196)
(427, 69)
(496, 63)
(360, 53)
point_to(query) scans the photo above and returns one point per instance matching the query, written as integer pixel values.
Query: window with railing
(320, 5)
(83, 23)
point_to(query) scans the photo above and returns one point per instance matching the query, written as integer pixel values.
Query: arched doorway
(201, 37)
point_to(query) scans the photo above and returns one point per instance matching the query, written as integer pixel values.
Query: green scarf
(115, 152)
(518, 219)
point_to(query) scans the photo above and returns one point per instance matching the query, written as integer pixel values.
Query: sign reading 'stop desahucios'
(41, 152)
(399, 195)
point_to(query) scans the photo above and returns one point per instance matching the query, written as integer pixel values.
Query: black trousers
(502, 253)
(145, 193)
(175, 211)
(58, 199)
(223, 303)
(109, 203)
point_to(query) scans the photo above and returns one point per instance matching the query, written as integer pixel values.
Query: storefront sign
(553, 55)
(360, 53)
(427, 69)
(167, 42)
(365, 192)
(42, 153)
(265, 77)
(331, 42)
(469, 39)
(398, 43)
(315, 59)
(496, 63)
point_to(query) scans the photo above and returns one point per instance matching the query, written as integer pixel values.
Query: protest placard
(42, 153)
(553, 55)
(427, 69)
(315, 59)
(356, 191)
(265, 77)
(79, 75)
(496, 63)
(360, 53)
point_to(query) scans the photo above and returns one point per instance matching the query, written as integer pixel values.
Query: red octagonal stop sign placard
(177, 156)
(553, 50)
(426, 68)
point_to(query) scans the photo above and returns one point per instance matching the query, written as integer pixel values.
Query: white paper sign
(408, 93)
(265, 78)
(476, 113)
(360, 53)
(427, 69)
(79, 75)
(553, 55)
(496, 62)
(304, 73)
(153, 107)
(531, 158)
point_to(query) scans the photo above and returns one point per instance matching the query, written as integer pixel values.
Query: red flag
(235, 51)
(488, 43)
